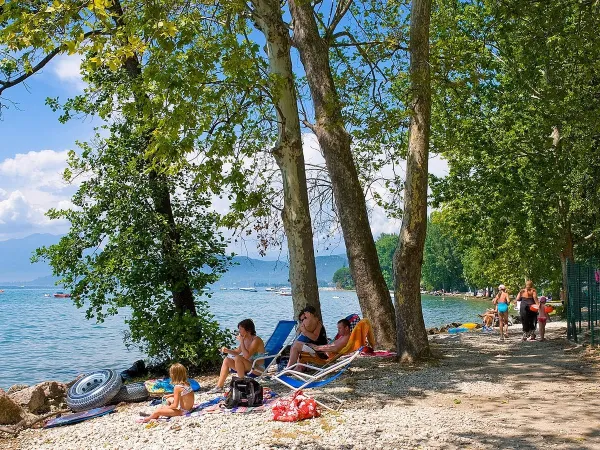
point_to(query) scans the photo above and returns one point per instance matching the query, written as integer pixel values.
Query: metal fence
(583, 312)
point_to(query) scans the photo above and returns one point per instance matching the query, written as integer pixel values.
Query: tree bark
(373, 294)
(408, 259)
(290, 158)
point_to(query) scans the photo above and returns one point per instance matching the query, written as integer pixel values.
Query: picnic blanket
(217, 406)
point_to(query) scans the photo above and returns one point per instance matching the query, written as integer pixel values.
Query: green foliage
(508, 77)
(442, 265)
(343, 278)
(386, 247)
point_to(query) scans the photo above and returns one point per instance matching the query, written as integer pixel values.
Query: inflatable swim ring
(535, 308)
(469, 325)
(94, 389)
(164, 386)
(457, 330)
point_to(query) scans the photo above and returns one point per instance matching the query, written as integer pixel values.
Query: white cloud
(68, 70)
(19, 217)
(42, 169)
(30, 184)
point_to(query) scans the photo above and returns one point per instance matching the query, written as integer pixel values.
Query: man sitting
(340, 342)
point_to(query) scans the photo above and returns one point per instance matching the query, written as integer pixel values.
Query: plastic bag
(296, 407)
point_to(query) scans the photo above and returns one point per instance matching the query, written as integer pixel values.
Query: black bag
(244, 392)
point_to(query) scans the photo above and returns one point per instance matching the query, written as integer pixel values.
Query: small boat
(61, 295)
(1, 291)
(285, 293)
(46, 295)
(270, 289)
(223, 289)
(248, 289)
(335, 296)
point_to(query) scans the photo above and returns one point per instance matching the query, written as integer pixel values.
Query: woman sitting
(240, 359)
(312, 331)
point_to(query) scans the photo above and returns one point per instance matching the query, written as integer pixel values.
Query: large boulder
(10, 412)
(41, 397)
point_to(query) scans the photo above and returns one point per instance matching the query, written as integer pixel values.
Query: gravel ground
(476, 393)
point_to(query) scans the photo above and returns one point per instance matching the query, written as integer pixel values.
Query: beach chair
(273, 348)
(361, 336)
(297, 380)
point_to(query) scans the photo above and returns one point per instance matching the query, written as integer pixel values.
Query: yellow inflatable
(470, 326)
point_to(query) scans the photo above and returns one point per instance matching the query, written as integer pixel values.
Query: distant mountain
(15, 267)
(247, 272)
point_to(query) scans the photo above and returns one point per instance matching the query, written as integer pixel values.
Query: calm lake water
(47, 338)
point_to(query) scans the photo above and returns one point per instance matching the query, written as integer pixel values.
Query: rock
(16, 388)
(41, 397)
(33, 398)
(10, 411)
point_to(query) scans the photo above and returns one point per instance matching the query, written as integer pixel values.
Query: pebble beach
(473, 386)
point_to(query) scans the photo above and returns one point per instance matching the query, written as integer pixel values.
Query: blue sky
(33, 152)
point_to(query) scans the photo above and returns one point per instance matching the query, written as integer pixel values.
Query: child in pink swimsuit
(542, 317)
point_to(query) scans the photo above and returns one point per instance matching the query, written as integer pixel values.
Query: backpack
(244, 392)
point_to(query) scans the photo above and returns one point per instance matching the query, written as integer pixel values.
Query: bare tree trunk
(408, 259)
(290, 159)
(373, 294)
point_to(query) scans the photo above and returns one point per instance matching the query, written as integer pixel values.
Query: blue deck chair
(273, 348)
(296, 380)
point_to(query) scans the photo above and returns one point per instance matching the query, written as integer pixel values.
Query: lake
(46, 338)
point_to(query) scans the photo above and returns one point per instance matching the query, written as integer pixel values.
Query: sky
(33, 154)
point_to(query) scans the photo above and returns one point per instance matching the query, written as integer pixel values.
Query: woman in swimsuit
(181, 401)
(528, 297)
(312, 331)
(502, 301)
(240, 359)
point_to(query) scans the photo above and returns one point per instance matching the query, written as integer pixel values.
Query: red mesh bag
(296, 407)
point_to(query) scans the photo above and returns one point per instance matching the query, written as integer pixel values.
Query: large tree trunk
(290, 159)
(408, 259)
(373, 294)
(178, 277)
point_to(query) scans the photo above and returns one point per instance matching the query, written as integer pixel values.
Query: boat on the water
(248, 289)
(1, 291)
(270, 289)
(61, 295)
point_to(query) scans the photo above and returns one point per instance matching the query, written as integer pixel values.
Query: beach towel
(217, 406)
(369, 352)
(164, 386)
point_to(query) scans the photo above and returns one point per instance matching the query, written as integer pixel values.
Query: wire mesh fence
(583, 312)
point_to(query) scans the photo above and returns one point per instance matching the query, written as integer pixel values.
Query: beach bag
(296, 407)
(244, 392)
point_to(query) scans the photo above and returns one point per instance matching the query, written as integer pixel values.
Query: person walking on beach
(542, 317)
(502, 300)
(528, 297)
(240, 359)
(181, 401)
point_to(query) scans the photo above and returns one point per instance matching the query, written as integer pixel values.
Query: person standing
(528, 297)
(502, 300)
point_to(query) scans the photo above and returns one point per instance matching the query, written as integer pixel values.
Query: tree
(522, 143)
(290, 157)
(408, 259)
(343, 278)
(131, 251)
(335, 141)
(442, 265)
